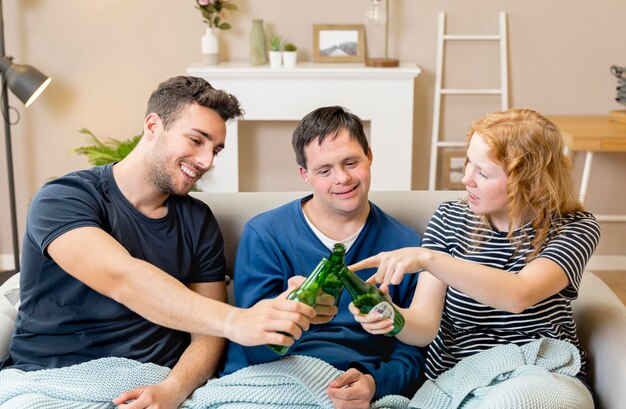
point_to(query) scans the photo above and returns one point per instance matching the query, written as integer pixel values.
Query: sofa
(600, 315)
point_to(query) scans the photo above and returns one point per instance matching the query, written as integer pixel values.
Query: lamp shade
(25, 81)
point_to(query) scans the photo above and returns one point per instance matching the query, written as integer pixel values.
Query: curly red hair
(539, 174)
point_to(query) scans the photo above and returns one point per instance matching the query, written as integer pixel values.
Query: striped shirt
(467, 326)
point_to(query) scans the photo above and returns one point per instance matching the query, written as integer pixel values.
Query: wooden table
(592, 134)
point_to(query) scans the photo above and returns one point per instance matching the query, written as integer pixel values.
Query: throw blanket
(542, 371)
(294, 382)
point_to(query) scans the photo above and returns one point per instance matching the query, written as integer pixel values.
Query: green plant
(215, 12)
(101, 153)
(290, 47)
(275, 42)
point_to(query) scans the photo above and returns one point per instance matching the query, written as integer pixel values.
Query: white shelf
(383, 96)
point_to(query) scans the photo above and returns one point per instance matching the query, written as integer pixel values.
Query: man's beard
(163, 180)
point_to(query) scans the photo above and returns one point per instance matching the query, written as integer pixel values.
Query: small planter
(275, 59)
(290, 55)
(290, 58)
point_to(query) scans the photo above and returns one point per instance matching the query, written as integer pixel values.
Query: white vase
(210, 47)
(276, 59)
(290, 58)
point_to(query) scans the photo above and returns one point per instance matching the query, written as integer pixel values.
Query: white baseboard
(606, 262)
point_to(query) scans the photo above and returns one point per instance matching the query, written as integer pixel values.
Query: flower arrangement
(214, 12)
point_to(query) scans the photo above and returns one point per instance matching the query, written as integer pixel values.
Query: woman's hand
(373, 323)
(393, 265)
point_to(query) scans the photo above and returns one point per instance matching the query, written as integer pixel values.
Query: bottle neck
(337, 254)
(352, 282)
(336, 259)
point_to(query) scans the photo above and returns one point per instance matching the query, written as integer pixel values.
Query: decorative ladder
(442, 37)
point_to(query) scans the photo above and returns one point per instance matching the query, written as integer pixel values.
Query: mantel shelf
(307, 70)
(383, 96)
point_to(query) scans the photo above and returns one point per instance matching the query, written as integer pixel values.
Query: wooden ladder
(442, 37)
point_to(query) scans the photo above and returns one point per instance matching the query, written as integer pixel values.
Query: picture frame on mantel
(338, 43)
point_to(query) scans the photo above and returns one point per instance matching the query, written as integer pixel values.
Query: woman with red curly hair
(499, 270)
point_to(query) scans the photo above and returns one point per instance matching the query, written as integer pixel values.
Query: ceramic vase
(210, 47)
(258, 43)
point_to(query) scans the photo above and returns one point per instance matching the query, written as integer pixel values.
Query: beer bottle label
(383, 308)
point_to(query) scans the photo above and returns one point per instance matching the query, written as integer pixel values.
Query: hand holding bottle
(376, 323)
(325, 305)
(273, 321)
(309, 291)
(370, 301)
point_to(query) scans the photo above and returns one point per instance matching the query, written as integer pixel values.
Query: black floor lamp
(26, 83)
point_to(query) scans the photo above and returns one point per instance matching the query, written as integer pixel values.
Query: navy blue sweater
(279, 244)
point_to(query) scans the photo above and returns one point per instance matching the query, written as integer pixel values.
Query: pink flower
(215, 12)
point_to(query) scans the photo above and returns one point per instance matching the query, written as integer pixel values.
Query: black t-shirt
(61, 321)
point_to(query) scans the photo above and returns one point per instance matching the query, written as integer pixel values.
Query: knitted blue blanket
(294, 382)
(537, 375)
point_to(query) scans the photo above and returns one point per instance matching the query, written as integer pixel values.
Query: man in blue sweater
(334, 158)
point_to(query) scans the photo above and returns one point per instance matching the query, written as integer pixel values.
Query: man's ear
(303, 174)
(151, 124)
(370, 156)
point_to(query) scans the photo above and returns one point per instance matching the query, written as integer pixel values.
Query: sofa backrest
(233, 210)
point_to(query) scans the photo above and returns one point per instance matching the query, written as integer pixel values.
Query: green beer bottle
(369, 299)
(333, 285)
(312, 287)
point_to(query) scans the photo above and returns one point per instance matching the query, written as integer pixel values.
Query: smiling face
(338, 171)
(184, 152)
(485, 182)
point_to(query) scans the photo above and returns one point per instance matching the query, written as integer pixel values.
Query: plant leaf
(101, 153)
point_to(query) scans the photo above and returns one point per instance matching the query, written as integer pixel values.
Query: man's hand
(262, 323)
(325, 309)
(159, 396)
(352, 390)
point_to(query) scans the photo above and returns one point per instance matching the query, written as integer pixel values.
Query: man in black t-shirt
(119, 261)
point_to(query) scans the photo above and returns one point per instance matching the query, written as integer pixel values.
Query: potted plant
(275, 51)
(103, 152)
(290, 55)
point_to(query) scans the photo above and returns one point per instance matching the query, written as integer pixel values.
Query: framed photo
(453, 168)
(338, 43)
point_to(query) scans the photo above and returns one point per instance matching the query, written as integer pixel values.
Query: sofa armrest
(601, 320)
(9, 293)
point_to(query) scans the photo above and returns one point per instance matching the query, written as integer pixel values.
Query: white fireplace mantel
(383, 96)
